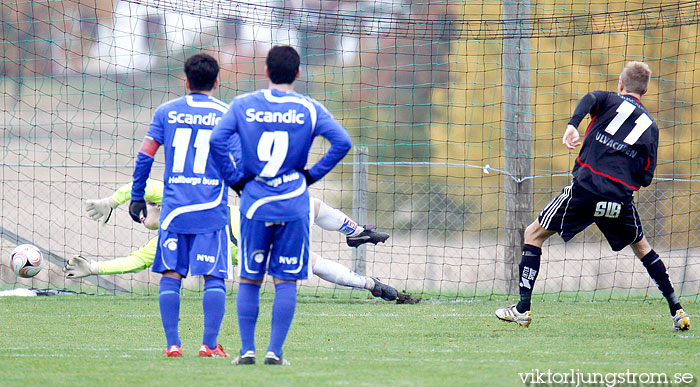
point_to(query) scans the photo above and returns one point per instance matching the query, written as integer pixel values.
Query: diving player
(328, 218)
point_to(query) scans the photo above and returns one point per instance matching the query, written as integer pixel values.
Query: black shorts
(576, 208)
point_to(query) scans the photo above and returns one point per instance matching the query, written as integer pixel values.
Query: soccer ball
(26, 260)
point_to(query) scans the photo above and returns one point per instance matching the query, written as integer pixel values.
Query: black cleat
(386, 292)
(246, 358)
(272, 359)
(367, 236)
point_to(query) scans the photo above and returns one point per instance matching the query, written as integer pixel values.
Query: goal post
(517, 139)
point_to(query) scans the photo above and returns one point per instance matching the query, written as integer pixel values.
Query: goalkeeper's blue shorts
(198, 254)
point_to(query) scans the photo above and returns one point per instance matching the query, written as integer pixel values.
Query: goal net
(456, 111)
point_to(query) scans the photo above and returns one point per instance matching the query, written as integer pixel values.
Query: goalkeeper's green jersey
(143, 257)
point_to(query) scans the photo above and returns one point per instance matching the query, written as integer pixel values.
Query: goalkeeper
(326, 217)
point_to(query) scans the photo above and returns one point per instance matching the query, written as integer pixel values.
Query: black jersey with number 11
(618, 155)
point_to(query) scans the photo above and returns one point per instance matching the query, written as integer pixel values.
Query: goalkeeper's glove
(79, 267)
(136, 207)
(100, 209)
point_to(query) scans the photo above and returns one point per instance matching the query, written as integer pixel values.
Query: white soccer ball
(26, 260)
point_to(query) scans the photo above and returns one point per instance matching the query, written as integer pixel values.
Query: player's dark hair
(635, 77)
(283, 64)
(201, 71)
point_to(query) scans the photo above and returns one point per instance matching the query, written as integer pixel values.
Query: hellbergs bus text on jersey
(180, 179)
(194, 119)
(290, 117)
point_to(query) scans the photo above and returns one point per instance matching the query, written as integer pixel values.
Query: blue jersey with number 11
(276, 129)
(195, 196)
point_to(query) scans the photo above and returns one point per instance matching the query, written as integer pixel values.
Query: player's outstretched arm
(101, 209)
(153, 192)
(79, 267)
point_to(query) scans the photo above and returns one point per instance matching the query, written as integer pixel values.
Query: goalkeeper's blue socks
(529, 268)
(214, 307)
(169, 301)
(247, 306)
(657, 271)
(282, 314)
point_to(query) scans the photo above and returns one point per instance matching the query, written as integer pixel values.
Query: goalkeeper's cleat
(218, 351)
(511, 314)
(272, 359)
(173, 351)
(367, 236)
(681, 321)
(384, 291)
(246, 358)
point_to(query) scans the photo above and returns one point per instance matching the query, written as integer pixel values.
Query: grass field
(102, 340)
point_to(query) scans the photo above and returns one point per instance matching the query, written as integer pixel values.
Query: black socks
(657, 272)
(529, 268)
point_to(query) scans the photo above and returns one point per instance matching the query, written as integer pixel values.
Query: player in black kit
(618, 157)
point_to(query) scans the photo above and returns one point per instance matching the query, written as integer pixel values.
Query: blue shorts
(199, 254)
(280, 248)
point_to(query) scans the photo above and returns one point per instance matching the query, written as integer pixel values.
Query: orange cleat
(218, 351)
(173, 351)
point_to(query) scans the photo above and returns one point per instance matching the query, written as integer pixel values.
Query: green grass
(99, 340)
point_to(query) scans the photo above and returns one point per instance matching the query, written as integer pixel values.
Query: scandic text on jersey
(194, 119)
(290, 117)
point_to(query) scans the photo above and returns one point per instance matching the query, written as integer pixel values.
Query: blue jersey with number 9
(276, 129)
(195, 196)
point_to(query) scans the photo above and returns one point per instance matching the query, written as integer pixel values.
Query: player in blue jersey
(193, 233)
(618, 157)
(276, 127)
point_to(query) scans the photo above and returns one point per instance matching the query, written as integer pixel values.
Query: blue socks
(282, 314)
(169, 301)
(247, 306)
(214, 307)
